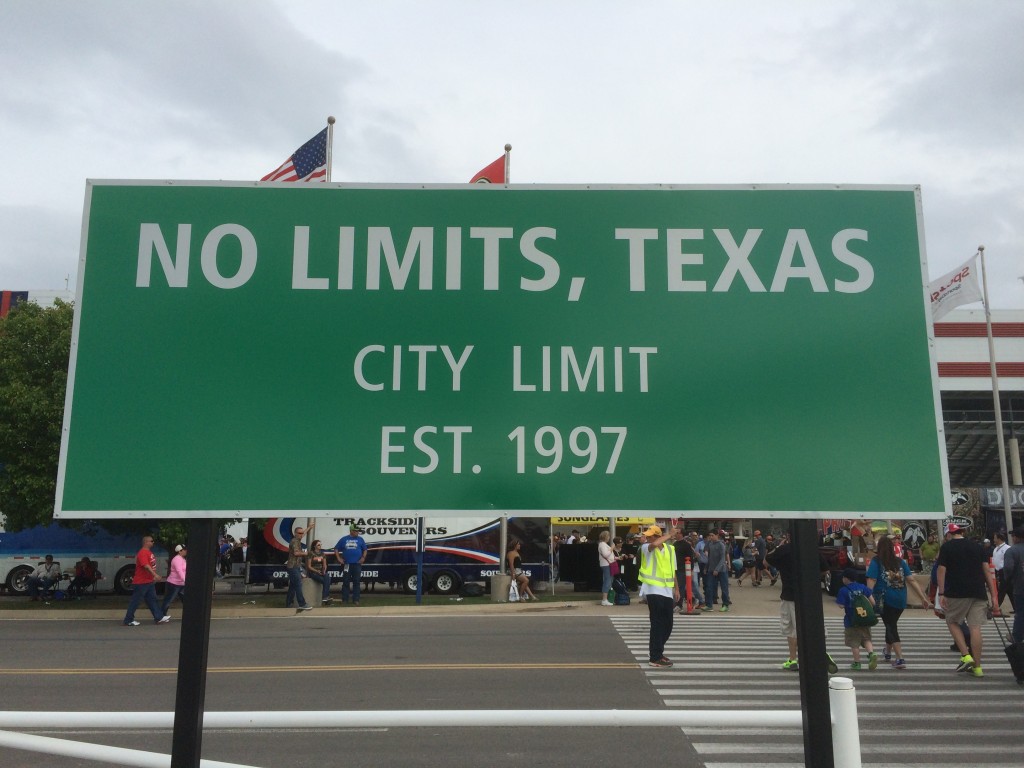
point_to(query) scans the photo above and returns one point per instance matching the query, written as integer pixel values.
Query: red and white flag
(961, 286)
(307, 163)
(492, 174)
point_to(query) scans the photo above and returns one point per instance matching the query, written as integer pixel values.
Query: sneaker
(887, 656)
(328, 601)
(132, 623)
(304, 608)
(164, 620)
(724, 609)
(899, 664)
(791, 664)
(966, 663)
(605, 602)
(707, 608)
(831, 664)
(774, 579)
(872, 660)
(663, 662)
(855, 665)
(976, 671)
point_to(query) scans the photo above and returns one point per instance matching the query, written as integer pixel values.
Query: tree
(35, 344)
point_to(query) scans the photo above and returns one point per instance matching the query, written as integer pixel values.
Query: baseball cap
(850, 573)
(653, 531)
(179, 548)
(953, 528)
(354, 527)
(1018, 531)
(723, 532)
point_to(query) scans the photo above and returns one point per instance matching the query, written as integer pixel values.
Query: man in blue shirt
(352, 549)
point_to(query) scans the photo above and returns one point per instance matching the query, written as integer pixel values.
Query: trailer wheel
(409, 582)
(447, 583)
(17, 580)
(123, 580)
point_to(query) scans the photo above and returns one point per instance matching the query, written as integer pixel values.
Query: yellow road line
(316, 668)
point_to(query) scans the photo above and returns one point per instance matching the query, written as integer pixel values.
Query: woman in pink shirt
(175, 577)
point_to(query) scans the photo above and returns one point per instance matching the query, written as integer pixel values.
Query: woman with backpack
(748, 556)
(888, 577)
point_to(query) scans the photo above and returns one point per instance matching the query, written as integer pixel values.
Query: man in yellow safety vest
(659, 587)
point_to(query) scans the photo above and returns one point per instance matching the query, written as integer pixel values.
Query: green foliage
(35, 344)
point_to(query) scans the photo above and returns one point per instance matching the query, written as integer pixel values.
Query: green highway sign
(674, 351)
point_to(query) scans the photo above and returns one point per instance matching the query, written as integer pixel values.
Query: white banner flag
(961, 286)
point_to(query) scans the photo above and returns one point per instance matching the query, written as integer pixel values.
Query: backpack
(862, 613)
(471, 589)
(621, 596)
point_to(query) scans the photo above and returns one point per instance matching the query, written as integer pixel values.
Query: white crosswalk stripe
(926, 715)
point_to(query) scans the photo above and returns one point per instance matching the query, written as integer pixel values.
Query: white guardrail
(842, 698)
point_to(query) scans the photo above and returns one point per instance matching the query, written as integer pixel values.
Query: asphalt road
(541, 661)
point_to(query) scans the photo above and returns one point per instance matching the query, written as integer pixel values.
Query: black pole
(810, 637)
(189, 705)
(420, 546)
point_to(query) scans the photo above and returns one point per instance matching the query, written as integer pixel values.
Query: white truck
(114, 554)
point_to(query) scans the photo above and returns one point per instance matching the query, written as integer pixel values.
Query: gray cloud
(39, 247)
(224, 74)
(947, 71)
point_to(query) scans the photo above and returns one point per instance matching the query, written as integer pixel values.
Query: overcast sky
(586, 91)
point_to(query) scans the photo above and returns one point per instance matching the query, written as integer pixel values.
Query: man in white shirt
(46, 574)
(998, 561)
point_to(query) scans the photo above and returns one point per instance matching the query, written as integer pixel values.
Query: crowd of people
(350, 553)
(969, 581)
(680, 571)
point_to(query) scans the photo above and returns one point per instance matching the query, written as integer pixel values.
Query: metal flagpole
(502, 546)
(995, 397)
(551, 555)
(508, 163)
(330, 144)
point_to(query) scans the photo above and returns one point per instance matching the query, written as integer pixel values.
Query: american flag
(309, 163)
